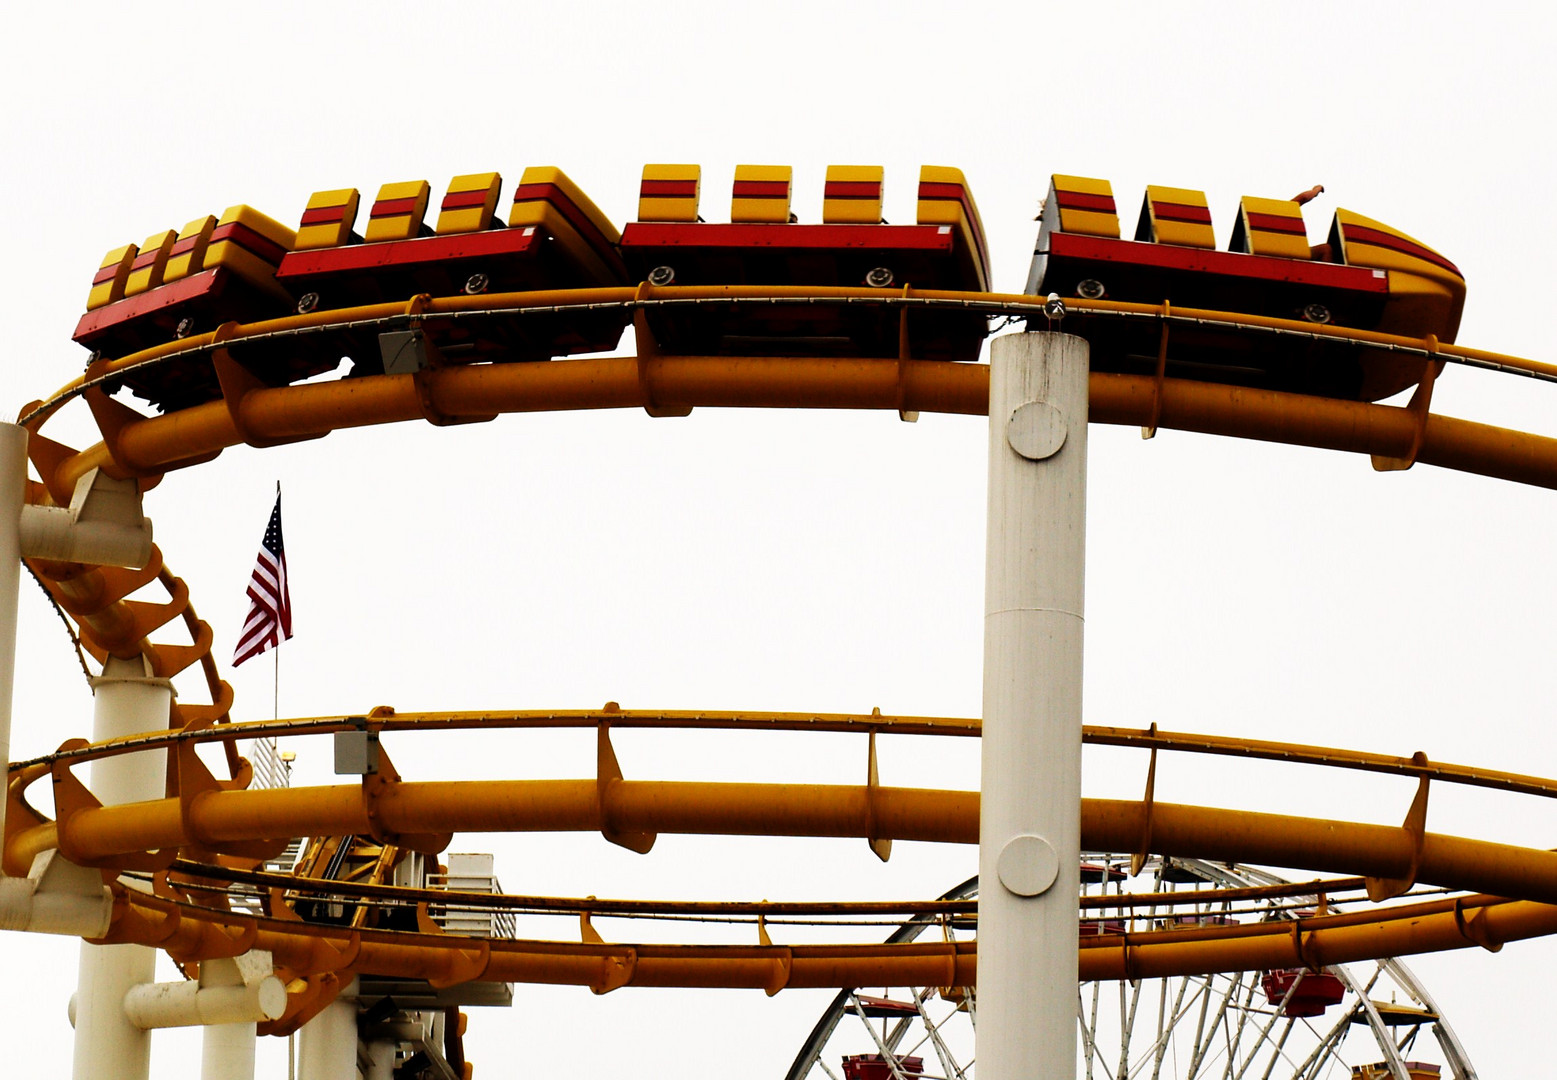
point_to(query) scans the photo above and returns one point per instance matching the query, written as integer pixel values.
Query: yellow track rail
(212, 815)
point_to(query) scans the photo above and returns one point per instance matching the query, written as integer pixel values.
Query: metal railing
(271, 771)
(467, 873)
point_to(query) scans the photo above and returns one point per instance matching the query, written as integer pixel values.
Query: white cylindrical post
(227, 1052)
(127, 701)
(13, 489)
(329, 1042)
(1030, 818)
(232, 996)
(381, 1060)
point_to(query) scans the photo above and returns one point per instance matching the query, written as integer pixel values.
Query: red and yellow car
(1366, 276)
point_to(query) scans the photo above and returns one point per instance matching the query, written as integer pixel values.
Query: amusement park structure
(340, 912)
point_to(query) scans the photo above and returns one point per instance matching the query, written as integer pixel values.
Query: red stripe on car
(250, 241)
(393, 207)
(551, 193)
(1361, 234)
(761, 189)
(1291, 226)
(1080, 200)
(852, 189)
(324, 215)
(459, 200)
(668, 189)
(1168, 211)
(931, 190)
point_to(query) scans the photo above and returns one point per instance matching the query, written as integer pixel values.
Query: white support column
(127, 700)
(1030, 820)
(381, 1060)
(329, 1042)
(227, 1052)
(13, 487)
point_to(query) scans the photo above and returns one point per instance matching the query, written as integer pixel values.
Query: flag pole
(275, 686)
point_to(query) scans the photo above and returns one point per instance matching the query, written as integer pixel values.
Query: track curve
(1510, 888)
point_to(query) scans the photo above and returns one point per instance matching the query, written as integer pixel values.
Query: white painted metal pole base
(227, 1052)
(381, 1060)
(1030, 819)
(329, 1042)
(107, 1043)
(127, 700)
(13, 488)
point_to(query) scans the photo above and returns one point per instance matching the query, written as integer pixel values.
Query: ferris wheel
(1367, 1021)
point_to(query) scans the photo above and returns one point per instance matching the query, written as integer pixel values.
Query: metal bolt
(1316, 313)
(879, 278)
(477, 283)
(662, 275)
(1090, 289)
(307, 302)
(186, 326)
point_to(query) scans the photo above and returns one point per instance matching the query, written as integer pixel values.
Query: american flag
(270, 608)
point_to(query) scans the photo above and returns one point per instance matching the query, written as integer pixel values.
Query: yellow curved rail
(191, 932)
(1150, 738)
(114, 623)
(420, 814)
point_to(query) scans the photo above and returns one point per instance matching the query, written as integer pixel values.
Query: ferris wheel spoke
(881, 1046)
(1278, 1052)
(1264, 1041)
(1165, 1032)
(1091, 1029)
(1127, 1024)
(895, 1038)
(1205, 1038)
(1236, 1039)
(1310, 1067)
(1159, 1048)
(1088, 1032)
(949, 1064)
(1200, 1024)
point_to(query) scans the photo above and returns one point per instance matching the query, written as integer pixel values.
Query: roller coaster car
(1368, 276)
(853, 247)
(556, 238)
(185, 282)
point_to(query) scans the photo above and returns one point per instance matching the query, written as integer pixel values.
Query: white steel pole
(1029, 824)
(227, 1049)
(381, 1060)
(329, 1043)
(127, 701)
(13, 488)
(227, 1052)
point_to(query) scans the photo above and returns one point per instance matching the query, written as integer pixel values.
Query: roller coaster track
(1502, 892)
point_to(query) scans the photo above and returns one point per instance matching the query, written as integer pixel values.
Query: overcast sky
(830, 562)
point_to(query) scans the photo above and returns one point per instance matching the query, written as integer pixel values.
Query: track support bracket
(1415, 827)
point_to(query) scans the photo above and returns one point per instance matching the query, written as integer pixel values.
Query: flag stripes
(270, 607)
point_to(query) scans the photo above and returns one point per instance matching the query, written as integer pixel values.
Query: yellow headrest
(761, 193)
(669, 192)
(398, 211)
(470, 204)
(852, 195)
(328, 219)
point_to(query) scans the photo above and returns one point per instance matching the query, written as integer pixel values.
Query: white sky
(815, 561)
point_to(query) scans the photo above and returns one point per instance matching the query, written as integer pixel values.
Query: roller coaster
(239, 330)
